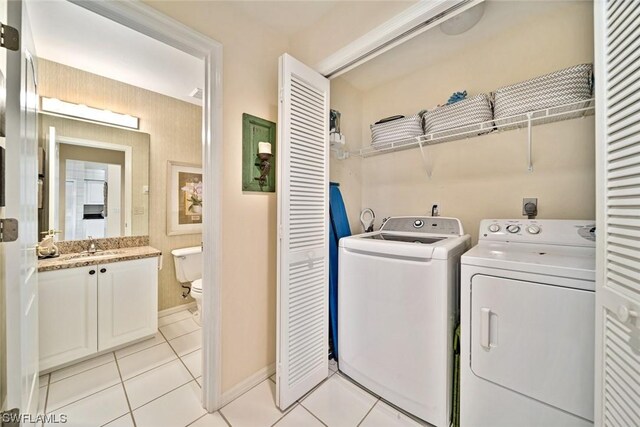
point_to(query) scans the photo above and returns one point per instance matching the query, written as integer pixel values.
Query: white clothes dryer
(527, 325)
(397, 310)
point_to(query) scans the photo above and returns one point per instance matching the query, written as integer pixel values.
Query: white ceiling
(286, 17)
(70, 35)
(433, 45)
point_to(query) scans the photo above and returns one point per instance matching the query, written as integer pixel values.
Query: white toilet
(188, 263)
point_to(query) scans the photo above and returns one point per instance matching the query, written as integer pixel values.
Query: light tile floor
(157, 383)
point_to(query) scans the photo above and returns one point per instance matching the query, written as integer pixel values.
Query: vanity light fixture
(80, 111)
(264, 153)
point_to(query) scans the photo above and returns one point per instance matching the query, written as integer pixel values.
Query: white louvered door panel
(303, 243)
(617, 39)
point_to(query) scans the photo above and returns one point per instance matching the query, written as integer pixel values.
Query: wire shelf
(525, 120)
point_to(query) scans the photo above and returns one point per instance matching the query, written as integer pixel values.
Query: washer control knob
(418, 223)
(513, 228)
(494, 228)
(533, 229)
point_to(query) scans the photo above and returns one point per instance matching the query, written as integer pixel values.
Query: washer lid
(574, 262)
(418, 246)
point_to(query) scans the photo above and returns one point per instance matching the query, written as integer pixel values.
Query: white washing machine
(397, 310)
(527, 325)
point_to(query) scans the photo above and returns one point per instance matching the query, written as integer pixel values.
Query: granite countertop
(73, 260)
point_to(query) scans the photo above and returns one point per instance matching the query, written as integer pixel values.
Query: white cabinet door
(127, 301)
(94, 192)
(68, 315)
(547, 329)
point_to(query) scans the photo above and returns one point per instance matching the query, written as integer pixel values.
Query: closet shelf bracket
(426, 160)
(340, 153)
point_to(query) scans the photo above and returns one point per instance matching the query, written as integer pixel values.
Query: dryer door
(535, 339)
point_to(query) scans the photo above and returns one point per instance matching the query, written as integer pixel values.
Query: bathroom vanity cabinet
(87, 310)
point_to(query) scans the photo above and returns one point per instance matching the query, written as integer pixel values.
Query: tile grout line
(284, 414)
(138, 351)
(312, 414)
(162, 395)
(368, 412)
(171, 314)
(84, 397)
(224, 418)
(182, 361)
(126, 395)
(149, 370)
(77, 373)
(177, 336)
(180, 336)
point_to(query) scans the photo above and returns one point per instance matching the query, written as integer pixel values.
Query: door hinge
(9, 37)
(8, 230)
(281, 94)
(10, 418)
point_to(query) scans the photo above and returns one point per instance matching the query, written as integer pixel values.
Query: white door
(547, 328)
(127, 301)
(21, 203)
(303, 243)
(68, 315)
(617, 39)
(3, 361)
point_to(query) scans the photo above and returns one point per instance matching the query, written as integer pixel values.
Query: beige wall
(250, 80)
(175, 129)
(487, 177)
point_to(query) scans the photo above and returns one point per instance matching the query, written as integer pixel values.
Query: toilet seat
(196, 286)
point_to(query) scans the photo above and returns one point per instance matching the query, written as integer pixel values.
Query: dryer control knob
(418, 223)
(533, 229)
(513, 228)
(494, 228)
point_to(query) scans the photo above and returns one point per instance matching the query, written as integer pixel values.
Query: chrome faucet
(92, 245)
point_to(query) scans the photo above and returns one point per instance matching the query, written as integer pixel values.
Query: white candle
(264, 148)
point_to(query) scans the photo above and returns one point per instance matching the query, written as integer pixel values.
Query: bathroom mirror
(94, 179)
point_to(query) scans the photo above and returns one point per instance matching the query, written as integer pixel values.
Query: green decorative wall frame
(255, 130)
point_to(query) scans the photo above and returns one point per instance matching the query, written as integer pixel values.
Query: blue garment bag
(339, 228)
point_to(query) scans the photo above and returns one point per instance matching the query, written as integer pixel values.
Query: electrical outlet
(527, 200)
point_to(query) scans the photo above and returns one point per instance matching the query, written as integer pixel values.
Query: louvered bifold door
(618, 233)
(303, 243)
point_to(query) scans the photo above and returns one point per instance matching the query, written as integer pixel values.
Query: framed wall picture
(184, 201)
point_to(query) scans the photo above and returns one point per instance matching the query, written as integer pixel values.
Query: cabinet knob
(92, 272)
(103, 270)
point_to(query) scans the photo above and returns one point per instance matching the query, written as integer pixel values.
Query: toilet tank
(188, 262)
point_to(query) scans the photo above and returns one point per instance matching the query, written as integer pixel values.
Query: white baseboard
(176, 309)
(246, 385)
